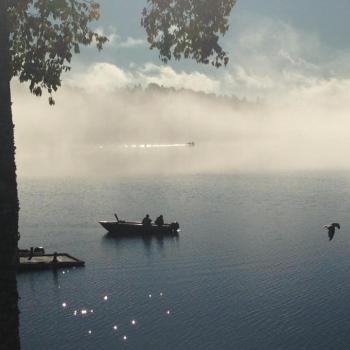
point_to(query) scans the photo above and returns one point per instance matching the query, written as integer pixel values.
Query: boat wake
(188, 144)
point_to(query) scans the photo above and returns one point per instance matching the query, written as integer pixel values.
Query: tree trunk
(9, 332)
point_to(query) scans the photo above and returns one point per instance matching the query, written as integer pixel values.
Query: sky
(267, 40)
(292, 55)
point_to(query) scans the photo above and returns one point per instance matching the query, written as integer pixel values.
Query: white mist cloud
(100, 76)
(301, 126)
(84, 133)
(269, 59)
(108, 76)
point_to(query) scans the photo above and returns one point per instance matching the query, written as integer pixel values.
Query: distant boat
(158, 145)
(132, 228)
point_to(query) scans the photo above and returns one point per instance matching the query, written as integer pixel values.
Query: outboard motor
(174, 226)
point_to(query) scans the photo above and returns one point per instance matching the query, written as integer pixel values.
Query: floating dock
(48, 261)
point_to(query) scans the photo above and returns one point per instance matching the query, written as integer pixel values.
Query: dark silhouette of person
(159, 221)
(31, 253)
(146, 221)
(331, 229)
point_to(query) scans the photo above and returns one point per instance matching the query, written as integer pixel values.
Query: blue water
(251, 269)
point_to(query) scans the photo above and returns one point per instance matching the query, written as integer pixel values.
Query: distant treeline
(231, 100)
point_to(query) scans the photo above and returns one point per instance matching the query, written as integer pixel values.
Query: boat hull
(137, 229)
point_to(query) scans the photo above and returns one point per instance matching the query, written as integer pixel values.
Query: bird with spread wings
(331, 229)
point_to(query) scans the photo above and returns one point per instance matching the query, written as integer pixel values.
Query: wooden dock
(48, 261)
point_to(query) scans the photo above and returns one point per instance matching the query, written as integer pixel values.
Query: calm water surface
(251, 269)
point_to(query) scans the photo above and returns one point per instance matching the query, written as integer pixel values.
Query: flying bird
(331, 229)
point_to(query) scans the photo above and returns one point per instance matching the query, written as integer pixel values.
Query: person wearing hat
(159, 221)
(146, 221)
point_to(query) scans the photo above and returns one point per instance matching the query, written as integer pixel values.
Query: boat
(134, 228)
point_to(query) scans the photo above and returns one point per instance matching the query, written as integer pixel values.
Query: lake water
(251, 269)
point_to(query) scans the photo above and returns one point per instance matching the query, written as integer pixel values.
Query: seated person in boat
(146, 221)
(159, 221)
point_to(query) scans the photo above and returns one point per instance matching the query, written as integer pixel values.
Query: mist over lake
(88, 133)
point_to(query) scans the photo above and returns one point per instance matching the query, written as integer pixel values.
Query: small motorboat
(133, 228)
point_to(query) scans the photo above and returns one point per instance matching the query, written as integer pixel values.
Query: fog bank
(85, 133)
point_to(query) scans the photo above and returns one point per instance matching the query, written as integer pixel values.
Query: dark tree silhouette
(188, 29)
(37, 41)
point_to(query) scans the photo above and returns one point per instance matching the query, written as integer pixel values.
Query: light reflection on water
(251, 269)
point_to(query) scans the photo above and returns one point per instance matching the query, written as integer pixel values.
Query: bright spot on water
(133, 322)
(161, 294)
(63, 272)
(64, 304)
(150, 295)
(75, 312)
(125, 337)
(115, 327)
(105, 297)
(84, 312)
(92, 311)
(90, 331)
(168, 312)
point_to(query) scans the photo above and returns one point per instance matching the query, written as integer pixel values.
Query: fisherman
(146, 221)
(159, 221)
(31, 253)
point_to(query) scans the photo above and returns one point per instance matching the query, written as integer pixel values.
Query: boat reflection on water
(147, 240)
